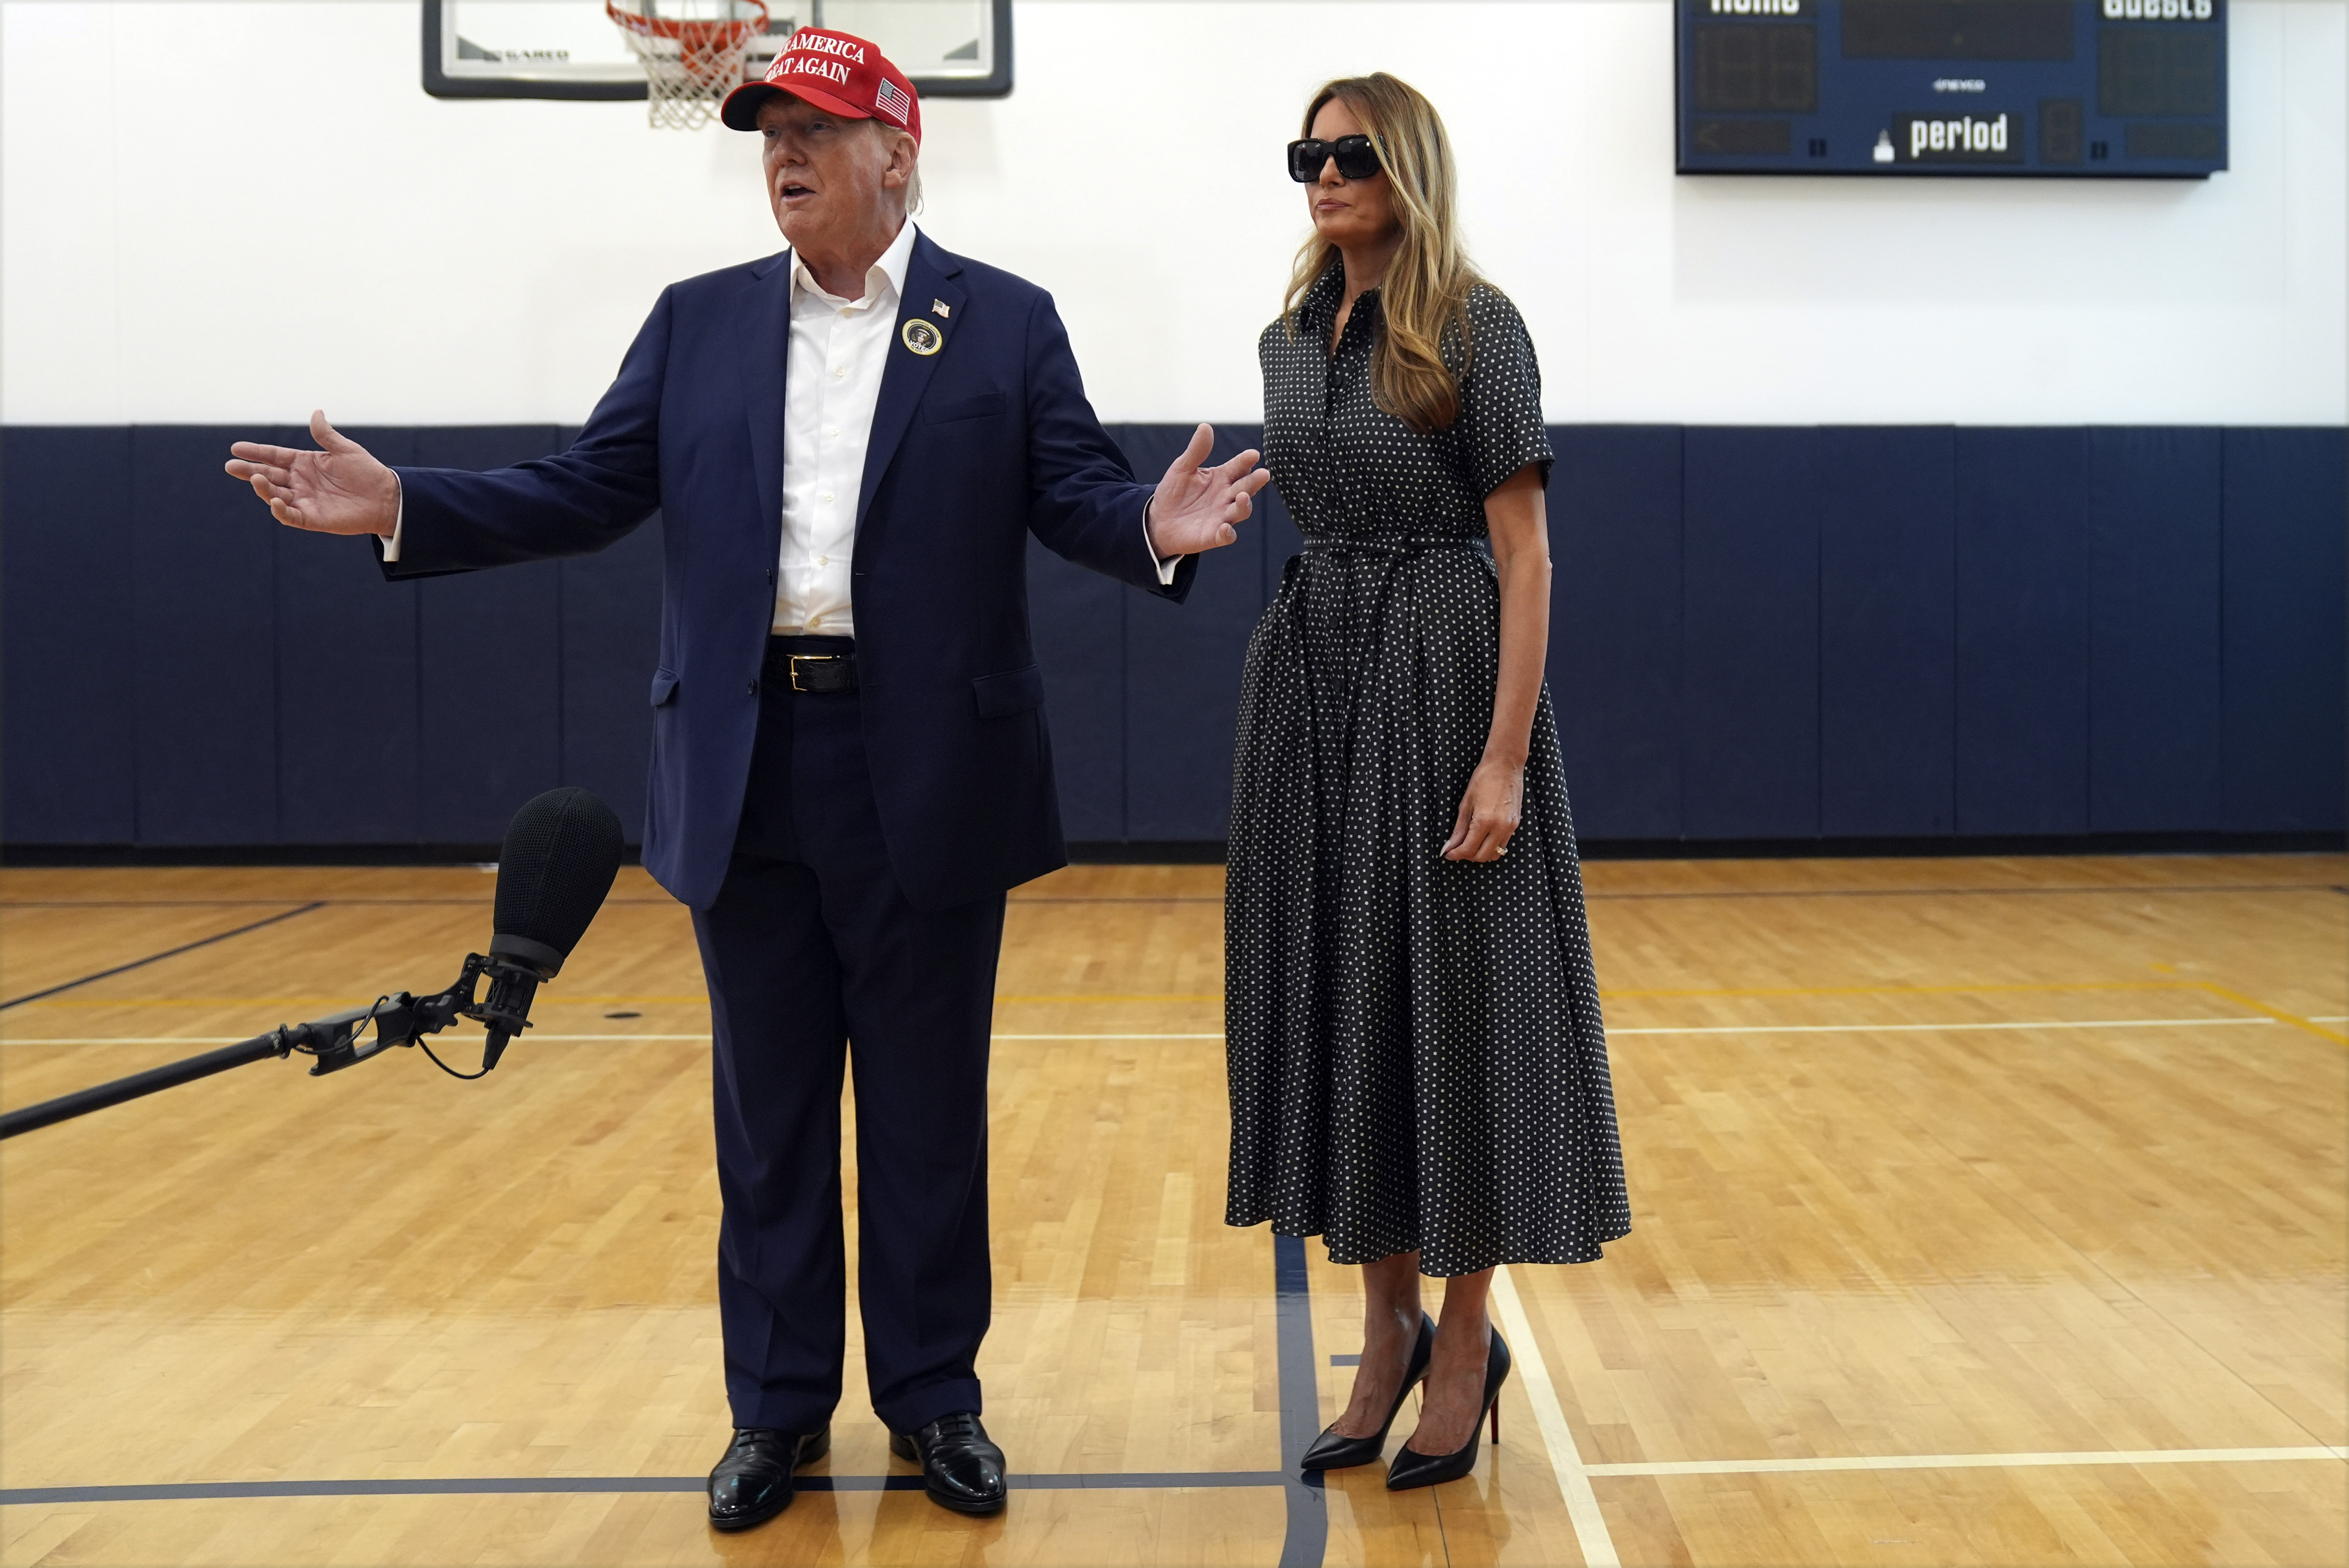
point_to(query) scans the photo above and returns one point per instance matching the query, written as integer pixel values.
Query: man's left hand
(1196, 508)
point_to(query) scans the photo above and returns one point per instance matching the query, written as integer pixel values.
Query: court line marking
(2278, 1014)
(1972, 1461)
(1582, 1511)
(180, 1491)
(1305, 1536)
(1217, 1035)
(159, 957)
(202, 1490)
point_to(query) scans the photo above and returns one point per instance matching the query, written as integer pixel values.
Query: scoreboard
(2075, 88)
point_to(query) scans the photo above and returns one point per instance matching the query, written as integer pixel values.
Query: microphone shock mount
(401, 1019)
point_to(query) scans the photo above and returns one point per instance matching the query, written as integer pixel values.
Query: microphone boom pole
(560, 852)
(259, 1048)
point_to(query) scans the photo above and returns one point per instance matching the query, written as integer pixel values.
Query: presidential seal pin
(921, 336)
(941, 306)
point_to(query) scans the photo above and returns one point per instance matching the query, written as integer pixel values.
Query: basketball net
(692, 52)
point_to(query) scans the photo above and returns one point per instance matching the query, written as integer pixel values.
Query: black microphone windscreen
(562, 851)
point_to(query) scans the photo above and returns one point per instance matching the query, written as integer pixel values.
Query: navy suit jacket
(972, 449)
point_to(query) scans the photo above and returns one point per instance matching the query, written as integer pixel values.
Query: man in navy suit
(848, 445)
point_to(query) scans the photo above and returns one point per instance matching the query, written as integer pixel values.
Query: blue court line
(159, 957)
(527, 1485)
(1306, 1538)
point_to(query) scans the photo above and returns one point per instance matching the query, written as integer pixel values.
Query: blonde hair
(1424, 294)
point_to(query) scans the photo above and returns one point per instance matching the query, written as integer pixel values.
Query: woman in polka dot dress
(1418, 1068)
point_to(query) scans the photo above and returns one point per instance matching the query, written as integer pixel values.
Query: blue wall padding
(1183, 667)
(68, 773)
(1887, 630)
(202, 578)
(2154, 674)
(2021, 732)
(346, 715)
(2282, 710)
(611, 641)
(1078, 619)
(1749, 633)
(1615, 623)
(490, 666)
(1756, 633)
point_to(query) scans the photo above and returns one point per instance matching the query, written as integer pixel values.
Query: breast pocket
(987, 405)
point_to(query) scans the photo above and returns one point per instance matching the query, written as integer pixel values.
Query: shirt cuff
(1166, 566)
(398, 522)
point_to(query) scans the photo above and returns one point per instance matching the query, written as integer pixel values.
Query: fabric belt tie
(818, 665)
(1324, 546)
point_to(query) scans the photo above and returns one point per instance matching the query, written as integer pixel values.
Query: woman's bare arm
(1519, 525)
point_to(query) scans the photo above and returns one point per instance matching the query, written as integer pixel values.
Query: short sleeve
(1500, 423)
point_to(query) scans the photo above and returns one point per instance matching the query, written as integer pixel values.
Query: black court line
(1304, 1541)
(159, 957)
(1306, 1538)
(508, 1486)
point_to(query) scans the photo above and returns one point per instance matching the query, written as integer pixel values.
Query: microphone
(561, 854)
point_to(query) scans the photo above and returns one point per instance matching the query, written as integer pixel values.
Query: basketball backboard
(569, 49)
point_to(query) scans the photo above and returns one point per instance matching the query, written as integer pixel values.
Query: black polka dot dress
(1416, 1055)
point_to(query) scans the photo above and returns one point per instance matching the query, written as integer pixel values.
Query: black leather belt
(820, 664)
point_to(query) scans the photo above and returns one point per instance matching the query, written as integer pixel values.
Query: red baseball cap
(834, 71)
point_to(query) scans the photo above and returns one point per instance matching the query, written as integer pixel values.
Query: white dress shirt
(838, 353)
(839, 349)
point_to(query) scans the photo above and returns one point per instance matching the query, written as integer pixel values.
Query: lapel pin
(922, 336)
(941, 307)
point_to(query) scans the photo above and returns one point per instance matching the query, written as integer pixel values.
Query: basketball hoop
(692, 52)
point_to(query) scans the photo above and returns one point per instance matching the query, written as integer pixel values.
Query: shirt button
(827, 495)
(754, 688)
(823, 559)
(832, 430)
(840, 370)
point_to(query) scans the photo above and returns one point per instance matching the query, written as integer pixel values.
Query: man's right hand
(339, 489)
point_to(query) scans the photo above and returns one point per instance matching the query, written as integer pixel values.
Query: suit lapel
(767, 334)
(930, 276)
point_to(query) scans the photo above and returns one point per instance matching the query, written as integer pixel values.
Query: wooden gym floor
(1987, 1211)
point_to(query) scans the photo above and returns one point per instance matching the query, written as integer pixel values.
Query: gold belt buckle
(797, 659)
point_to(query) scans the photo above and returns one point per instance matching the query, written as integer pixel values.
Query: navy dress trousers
(845, 853)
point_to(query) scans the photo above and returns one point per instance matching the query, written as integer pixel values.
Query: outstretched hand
(339, 489)
(1196, 508)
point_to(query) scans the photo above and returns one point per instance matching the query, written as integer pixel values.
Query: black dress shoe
(1332, 1451)
(961, 1470)
(1411, 1468)
(753, 1483)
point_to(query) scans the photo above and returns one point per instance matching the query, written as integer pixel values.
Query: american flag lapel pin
(941, 307)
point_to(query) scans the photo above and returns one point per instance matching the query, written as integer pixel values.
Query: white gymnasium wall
(217, 212)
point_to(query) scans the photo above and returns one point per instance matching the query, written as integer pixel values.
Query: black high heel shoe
(1411, 1468)
(1332, 1451)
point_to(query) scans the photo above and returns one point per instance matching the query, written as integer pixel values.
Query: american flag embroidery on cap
(892, 102)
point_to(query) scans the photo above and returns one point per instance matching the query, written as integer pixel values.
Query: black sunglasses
(1357, 159)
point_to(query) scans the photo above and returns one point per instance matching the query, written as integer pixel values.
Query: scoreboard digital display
(2104, 88)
